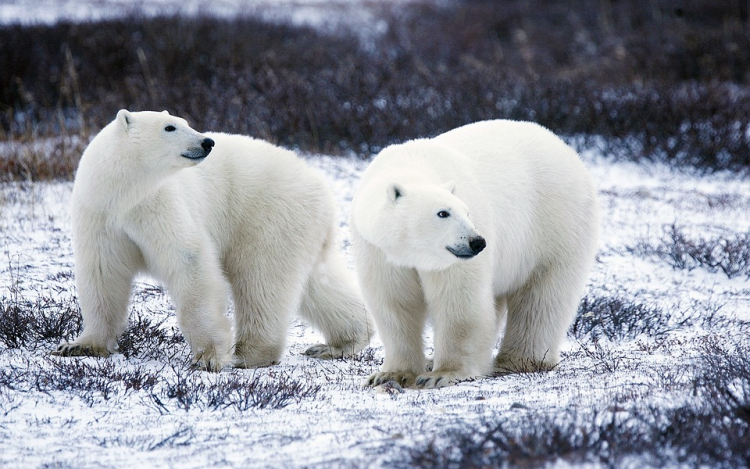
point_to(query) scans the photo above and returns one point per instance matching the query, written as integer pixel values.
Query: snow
(318, 13)
(344, 424)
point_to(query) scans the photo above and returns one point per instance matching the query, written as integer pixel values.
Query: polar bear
(252, 217)
(493, 217)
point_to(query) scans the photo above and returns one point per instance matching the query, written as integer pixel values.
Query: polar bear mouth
(463, 252)
(199, 153)
(475, 246)
(195, 155)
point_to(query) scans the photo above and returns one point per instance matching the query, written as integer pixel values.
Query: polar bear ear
(395, 191)
(450, 186)
(124, 118)
(165, 112)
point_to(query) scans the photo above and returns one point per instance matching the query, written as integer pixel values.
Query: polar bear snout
(195, 153)
(475, 246)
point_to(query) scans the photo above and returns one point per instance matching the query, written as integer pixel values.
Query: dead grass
(728, 253)
(618, 318)
(710, 430)
(657, 81)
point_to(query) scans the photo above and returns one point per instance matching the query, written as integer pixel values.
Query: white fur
(528, 195)
(251, 217)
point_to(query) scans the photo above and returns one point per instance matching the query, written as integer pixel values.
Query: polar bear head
(425, 226)
(159, 143)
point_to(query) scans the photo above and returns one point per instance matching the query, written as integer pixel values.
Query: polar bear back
(249, 177)
(528, 193)
(542, 195)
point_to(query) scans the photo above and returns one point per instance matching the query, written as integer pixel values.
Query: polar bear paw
(402, 378)
(329, 352)
(245, 363)
(505, 365)
(437, 379)
(246, 356)
(210, 360)
(75, 349)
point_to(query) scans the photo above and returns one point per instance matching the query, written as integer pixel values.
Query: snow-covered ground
(354, 14)
(338, 423)
(148, 409)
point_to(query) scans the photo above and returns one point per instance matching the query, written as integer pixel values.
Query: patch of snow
(347, 425)
(325, 14)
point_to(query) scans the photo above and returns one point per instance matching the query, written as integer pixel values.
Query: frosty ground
(147, 408)
(319, 13)
(656, 366)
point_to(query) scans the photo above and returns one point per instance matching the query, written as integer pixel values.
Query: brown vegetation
(647, 79)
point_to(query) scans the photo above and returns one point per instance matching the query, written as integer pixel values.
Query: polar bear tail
(333, 304)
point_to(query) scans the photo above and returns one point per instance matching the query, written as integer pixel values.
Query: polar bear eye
(443, 214)
(170, 128)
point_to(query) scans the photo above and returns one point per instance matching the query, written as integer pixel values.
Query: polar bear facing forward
(493, 221)
(252, 217)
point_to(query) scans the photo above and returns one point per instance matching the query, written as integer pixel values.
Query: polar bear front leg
(394, 297)
(183, 257)
(200, 296)
(400, 322)
(105, 264)
(462, 308)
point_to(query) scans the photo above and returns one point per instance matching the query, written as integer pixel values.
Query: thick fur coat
(252, 218)
(492, 223)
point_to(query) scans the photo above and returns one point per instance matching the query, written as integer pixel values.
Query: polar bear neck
(104, 179)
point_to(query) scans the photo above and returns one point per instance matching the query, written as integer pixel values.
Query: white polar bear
(251, 213)
(491, 217)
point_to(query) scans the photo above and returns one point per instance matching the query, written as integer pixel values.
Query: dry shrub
(657, 79)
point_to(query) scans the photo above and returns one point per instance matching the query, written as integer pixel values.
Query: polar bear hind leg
(265, 298)
(332, 303)
(537, 320)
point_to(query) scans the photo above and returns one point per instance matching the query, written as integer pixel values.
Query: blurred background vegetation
(637, 79)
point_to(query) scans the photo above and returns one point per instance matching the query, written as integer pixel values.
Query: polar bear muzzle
(476, 245)
(195, 153)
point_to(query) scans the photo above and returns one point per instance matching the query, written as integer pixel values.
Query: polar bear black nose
(207, 144)
(477, 244)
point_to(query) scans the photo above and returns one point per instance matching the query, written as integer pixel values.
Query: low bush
(149, 338)
(190, 389)
(711, 430)
(617, 318)
(728, 253)
(41, 322)
(657, 80)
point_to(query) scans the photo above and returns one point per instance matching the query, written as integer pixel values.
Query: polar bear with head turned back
(492, 223)
(206, 214)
